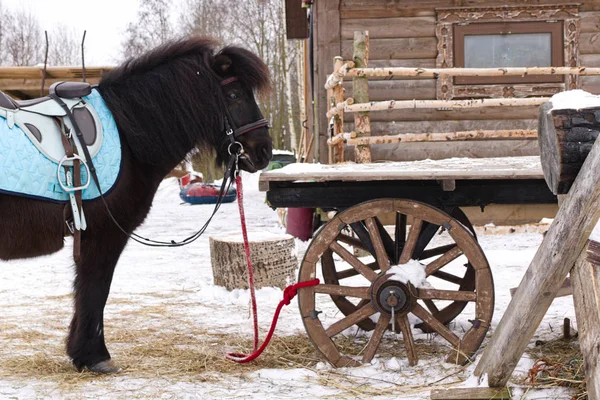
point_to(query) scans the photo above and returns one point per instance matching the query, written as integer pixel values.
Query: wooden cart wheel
(362, 290)
(446, 315)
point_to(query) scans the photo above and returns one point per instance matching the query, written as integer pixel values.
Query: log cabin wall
(406, 33)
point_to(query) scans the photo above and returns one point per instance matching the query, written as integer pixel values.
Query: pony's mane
(168, 100)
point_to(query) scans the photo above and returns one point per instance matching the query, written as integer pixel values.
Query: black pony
(167, 102)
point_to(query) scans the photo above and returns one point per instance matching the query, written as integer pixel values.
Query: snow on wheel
(432, 271)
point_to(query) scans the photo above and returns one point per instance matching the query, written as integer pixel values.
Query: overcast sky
(104, 20)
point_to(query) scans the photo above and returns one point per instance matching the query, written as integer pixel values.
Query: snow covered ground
(163, 297)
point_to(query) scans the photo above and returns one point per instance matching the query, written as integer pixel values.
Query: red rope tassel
(288, 294)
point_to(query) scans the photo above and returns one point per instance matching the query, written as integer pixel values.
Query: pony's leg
(94, 271)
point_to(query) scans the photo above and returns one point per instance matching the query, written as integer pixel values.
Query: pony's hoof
(105, 367)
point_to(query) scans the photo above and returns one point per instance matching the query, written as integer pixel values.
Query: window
(507, 36)
(498, 45)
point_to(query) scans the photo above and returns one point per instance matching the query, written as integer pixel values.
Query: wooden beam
(586, 296)
(558, 252)
(436, 72)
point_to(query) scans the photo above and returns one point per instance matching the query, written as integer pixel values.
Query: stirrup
(69, 187)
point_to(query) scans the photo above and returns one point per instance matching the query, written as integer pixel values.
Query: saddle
(38, 117)
(67, 130)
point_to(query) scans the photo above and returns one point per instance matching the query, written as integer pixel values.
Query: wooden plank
(470, 394)
(402, 48)
(326, 47)
(545, 274)
(565, 290)
(485, 168)
(586, 297)
(390, 27)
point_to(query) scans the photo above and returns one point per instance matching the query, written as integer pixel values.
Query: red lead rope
(288, 294)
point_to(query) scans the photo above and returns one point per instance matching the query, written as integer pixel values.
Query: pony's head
(241, 74)
(184, 95)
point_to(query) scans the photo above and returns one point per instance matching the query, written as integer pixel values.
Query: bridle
(231, 173)
(232, 132)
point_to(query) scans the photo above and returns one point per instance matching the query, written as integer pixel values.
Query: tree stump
(566, 136)
(273, 256)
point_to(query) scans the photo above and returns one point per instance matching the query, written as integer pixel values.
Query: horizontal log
(401, 48)
(498, 113)
(443, 150)
(444, 137)
(415, 104)
(566, 137)
(481, 393)
(591, 84)
(402, 27)
(421, 89)
(589, 22)
(356, 9)
(399, 127)
(588, 43)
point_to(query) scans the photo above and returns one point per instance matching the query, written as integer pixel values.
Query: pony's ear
(222, 64)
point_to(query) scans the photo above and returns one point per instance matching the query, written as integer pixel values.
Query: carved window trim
(448, 18)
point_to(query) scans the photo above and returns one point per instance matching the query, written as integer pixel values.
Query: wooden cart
(397, 212)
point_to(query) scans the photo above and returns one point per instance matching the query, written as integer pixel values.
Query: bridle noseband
(231, 131)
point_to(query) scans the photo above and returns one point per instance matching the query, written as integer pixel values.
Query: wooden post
(558, 252)
(338, 95)
(585, 276)
(360, 90)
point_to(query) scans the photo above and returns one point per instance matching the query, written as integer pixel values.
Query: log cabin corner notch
(555, 28)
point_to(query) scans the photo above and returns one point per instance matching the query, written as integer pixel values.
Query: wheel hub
(391, 296)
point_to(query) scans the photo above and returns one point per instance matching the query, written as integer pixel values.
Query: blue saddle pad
(25, 171)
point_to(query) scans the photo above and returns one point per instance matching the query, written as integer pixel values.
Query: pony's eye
(232, 96)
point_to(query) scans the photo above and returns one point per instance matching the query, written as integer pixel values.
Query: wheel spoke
(400, 236)
(360, 231)
(348, 291)
(411, 242)
(431, 306)
(442, 261)
(409, 343)
(347, 273)
(434, 294)
(448, 277)
(380, 253)
(436, 251)
(373, 345)
(355, 262)
(427, 232)
(352, 241)
(440, 328)
(388, 242)
(347, 322)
